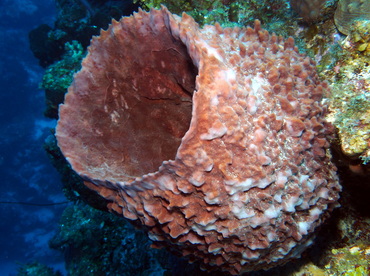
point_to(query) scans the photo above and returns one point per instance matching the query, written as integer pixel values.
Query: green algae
(59, 76)
(226, 12)
(350, 261)
(36, 269)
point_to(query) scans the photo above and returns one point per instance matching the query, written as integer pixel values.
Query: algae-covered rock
(350, 261)
(59, 76)
(226, 12)
(36, 269)
(103, 244)
(350, 105)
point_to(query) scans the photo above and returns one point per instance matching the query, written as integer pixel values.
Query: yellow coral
(359, 37)
(349, 261)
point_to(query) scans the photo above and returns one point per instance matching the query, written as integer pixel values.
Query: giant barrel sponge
(212, 139)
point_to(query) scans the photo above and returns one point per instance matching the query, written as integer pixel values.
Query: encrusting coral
(213, 139)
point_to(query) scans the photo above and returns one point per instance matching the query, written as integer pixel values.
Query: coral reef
(347, 261)
(351, 115)
(353, 261)
(344, 63)
(59, 76)
(347, 69)
(44, 49)
(348, 12)
(228, 12)
(359, 37)
(102, 244)
(76, 20)
(37, 269)
(213, 139)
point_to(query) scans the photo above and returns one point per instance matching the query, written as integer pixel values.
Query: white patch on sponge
(213, 133)
(272, 212)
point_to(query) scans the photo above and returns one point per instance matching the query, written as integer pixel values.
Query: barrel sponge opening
(130, 105)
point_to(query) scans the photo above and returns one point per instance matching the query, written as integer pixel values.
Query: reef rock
(213, 139)
(349, 12)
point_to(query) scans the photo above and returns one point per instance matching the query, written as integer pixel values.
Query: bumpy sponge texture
(212, 138)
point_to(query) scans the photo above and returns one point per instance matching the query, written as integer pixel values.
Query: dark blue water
(26, 173)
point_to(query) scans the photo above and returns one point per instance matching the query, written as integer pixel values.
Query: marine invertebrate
(350, 11)
(212, 139)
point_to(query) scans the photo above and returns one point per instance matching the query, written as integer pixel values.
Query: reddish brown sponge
(213, 139)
